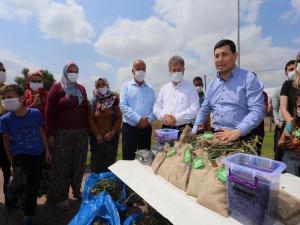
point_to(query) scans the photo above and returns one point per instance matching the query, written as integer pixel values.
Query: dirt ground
(46, 214)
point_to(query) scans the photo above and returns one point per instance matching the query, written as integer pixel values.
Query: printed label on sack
(198, 163)
(207, 136)
(171, 152)
(221, 175)
(187, 155)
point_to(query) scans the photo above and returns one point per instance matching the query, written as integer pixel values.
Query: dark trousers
(32, 167)
(5, 165)
(104, 155)
(278, 153)
(133, 139)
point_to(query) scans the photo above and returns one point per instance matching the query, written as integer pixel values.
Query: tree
(47, 76)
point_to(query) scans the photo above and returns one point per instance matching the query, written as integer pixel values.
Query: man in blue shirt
(136, 103)
(235, 97)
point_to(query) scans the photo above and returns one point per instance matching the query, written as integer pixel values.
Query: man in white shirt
(178, 102)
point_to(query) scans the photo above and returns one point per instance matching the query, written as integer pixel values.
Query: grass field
(267, 149)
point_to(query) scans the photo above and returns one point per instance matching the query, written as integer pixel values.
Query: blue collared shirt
(136, 102)
(237, 103)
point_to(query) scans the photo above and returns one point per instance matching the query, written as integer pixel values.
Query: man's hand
(169, 120)
(228, 135)
(37, 100)
(109, 135)
(143, 123)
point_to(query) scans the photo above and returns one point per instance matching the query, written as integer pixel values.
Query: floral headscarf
(69, 87)
(103, 101)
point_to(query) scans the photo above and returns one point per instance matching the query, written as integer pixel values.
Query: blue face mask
(177, 76)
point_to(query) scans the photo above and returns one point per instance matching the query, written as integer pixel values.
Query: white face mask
(35, 86)
(2, 76)
(177, 77)
(298, 114)
(102, 91)
(72, 77)
(199, 89)
(11, 104)
(298, 67)
(140, 75)
(291, 75)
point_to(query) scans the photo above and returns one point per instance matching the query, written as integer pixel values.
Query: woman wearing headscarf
(105, 124)
(67, 130)
(35, 93)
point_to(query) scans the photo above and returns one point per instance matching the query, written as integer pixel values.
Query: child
(290, 141)
(24, 143)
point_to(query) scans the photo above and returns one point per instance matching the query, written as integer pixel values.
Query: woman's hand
(109, 135)
(289, 144)
(37, 100)
(48, 157)
(50, 141)
(99, 139)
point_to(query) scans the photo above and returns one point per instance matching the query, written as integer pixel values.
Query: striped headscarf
(69, 87)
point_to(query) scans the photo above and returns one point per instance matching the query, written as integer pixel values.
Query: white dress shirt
(181, 100)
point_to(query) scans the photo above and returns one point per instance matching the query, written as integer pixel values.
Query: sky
(104, 37)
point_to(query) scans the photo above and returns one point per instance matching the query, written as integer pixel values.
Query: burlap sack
(288, 208)
(169, 164)
(166, 167)
(197, 175)
(158, 160)
(213, 193)
(180, 175)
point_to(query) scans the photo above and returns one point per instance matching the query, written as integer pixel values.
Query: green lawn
(267, 149)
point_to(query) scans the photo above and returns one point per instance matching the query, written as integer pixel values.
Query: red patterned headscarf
(29, 93)
(105, 101)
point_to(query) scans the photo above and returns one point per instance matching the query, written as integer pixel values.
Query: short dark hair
(197, 78)
(226, 42)
(176, 59)
(291, 62)
(15, 88)
(1, 64)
